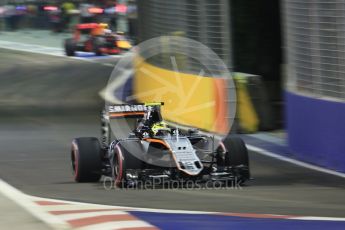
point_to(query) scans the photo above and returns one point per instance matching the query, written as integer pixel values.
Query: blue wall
(316, 130)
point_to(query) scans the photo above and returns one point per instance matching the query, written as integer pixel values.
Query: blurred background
(61, 16)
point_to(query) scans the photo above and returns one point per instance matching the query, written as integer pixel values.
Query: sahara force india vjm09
(137, 146)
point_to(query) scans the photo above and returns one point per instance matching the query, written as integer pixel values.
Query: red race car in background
(96, 38)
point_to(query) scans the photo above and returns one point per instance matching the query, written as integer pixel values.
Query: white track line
(74, 216)
(317, 218)
(70, 207)
(108, 64)
(52, 51)
(295, 162)
(23, 201)
(32, 50)
(73, 205)
(81, 204)
(118, 225)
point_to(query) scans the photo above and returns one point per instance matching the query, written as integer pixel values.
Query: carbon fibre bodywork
(179, 153)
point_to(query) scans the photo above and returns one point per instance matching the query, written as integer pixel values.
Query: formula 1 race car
(96, 38)
(143, 147)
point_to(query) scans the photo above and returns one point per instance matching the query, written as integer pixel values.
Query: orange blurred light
(95, 10)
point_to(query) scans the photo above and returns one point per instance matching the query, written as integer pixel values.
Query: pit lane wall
(316, 130)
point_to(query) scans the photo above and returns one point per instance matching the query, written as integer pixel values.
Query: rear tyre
(86, 159)
(235, 155)
(70, 47)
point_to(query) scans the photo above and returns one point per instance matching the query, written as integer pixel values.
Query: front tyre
(86, 159)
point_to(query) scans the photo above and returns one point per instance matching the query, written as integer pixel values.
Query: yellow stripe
(248, 119)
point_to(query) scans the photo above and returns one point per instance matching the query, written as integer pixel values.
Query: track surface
(46, 101)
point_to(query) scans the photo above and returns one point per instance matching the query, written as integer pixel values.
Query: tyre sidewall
(120, 178)
(86, 153)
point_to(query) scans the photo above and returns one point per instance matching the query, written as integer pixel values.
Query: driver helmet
(153, 116)
(160, 128)
(104, 25)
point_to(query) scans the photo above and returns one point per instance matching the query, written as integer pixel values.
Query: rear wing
(123, 118)
(121, 111)
(124, 110)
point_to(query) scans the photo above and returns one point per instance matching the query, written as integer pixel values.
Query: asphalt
(46, 101)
